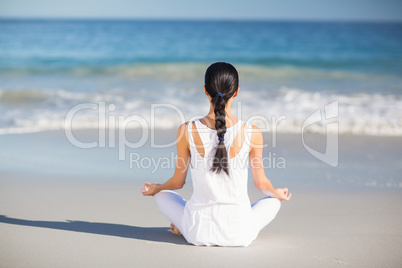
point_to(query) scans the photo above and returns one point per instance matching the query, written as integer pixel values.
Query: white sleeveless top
(219, 211)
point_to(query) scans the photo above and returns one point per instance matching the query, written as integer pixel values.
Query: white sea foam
(44, 109)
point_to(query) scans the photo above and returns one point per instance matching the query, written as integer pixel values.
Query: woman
(218, 148)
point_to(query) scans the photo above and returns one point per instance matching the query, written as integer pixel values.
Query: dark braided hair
(221, 78)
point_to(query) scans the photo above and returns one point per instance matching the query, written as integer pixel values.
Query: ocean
(155, 70)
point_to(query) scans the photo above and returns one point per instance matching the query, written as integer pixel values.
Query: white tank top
(219, 211)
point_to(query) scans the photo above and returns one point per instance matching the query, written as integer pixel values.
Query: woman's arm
(257, 168)
(182, 162)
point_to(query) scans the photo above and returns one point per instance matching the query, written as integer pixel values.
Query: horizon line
(201, 19)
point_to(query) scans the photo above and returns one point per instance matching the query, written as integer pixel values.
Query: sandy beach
(54, 215)
(47, 223)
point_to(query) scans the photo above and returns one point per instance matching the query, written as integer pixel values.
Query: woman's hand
(283, 194)
(150, 189)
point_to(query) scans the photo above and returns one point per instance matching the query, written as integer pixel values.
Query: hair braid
(221, 78)
(221, 155)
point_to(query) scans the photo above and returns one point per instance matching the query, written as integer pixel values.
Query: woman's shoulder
(185, 124)
(255, 136)
(255, 129)
(182, 130)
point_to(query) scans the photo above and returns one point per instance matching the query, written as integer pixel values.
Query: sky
(340, 10)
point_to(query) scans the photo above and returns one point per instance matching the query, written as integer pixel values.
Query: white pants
(171, 204)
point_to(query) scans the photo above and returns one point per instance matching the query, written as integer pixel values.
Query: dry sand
(82, 223)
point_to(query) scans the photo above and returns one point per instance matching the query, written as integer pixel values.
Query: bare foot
(174, 230)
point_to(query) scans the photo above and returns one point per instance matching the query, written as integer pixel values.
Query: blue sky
(372, 10)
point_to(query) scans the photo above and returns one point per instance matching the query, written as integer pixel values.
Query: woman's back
(219, 211)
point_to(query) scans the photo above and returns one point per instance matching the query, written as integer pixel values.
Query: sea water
(155, 70)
